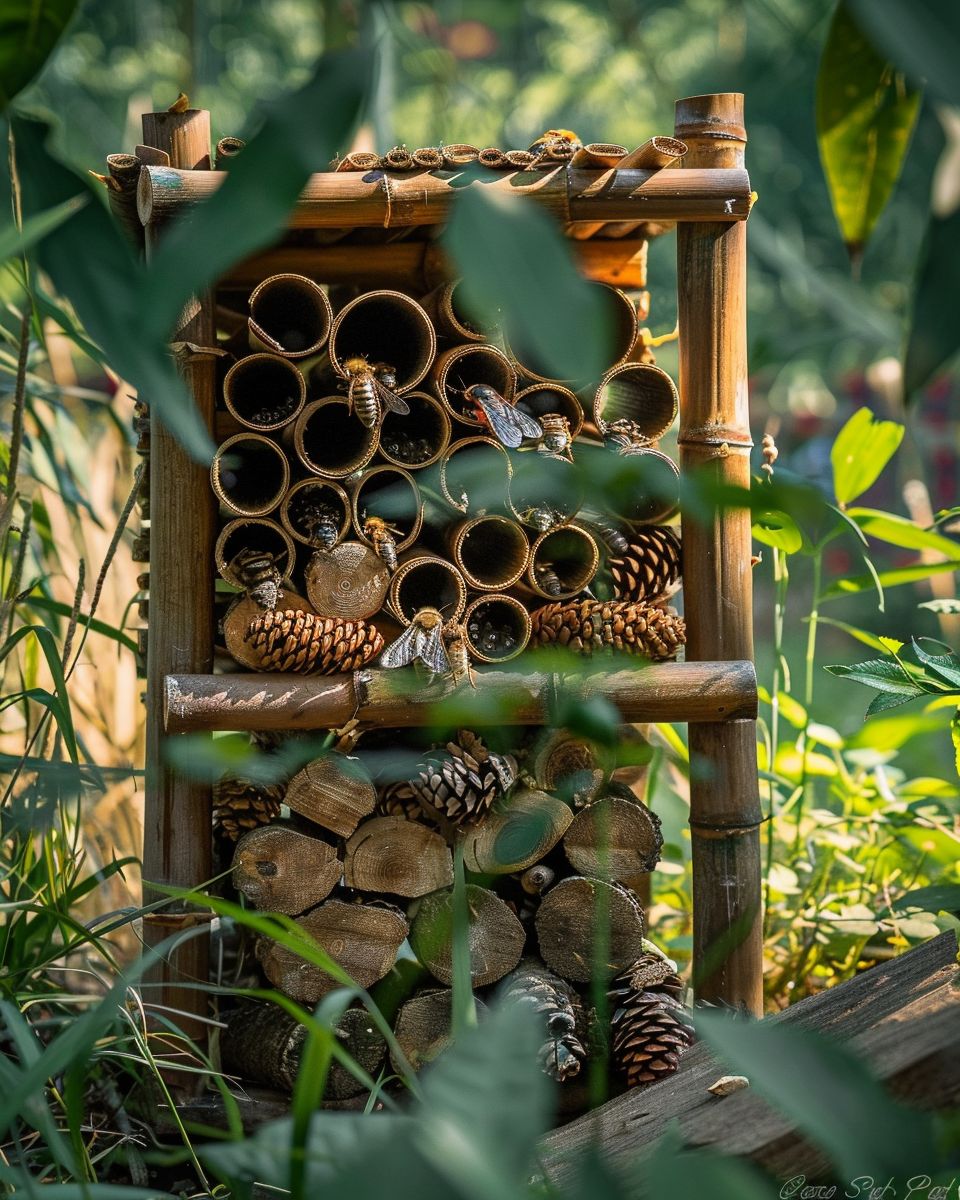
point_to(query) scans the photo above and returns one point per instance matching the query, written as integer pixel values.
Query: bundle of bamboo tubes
(400, 486)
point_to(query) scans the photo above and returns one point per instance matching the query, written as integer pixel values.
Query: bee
(547, 578)
(613, 537)
(421, 641)
(556, 135)
(319, 522)
(458, 653)
(556, 440)
(258, 573)
(542, 517)
(381, 535)
(370, 391)
(508, 424)
(624, 436)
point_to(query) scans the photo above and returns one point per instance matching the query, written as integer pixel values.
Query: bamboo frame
(714, 437)
(715, 690)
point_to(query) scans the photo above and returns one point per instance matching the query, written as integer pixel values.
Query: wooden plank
(717, 583)
(651, 692)
(355, 199)
(901, 1017)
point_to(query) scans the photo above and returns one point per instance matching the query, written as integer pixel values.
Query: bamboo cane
(418, 439)
(599, 156)
(305, 500)
(227, 148)
(252, 533)
(397, 159)
(428, 158)
(509, 632)
(458, 155)
(392, 494)
(427, 581)
(329, 439)
(638, 392)
(566, 558)
(542, 398)
(249, 475)
(715, 438)
(264, 392)
(289, 315)
(358, 160)
(653, 155)
(124, 172)
(385, 327)
(490, 551)
(460, 367)
(493, 158)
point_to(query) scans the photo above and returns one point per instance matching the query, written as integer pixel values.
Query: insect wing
(529, 426)
(431, 651)
(390, 400)
(404, 650)
(502, 419)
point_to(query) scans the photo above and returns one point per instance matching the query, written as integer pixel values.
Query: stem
(781, 578)
(810, 664)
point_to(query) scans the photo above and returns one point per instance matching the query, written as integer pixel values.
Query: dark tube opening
(637, 392)
(492, 552)
(468, 365)
(545, 398)
(498, 628)
(264, 391)
(416, 440)
(309, 503)
(429, 583)
(250, 474)
(567, 556)
(291, 313)
(262, 537)
(331, 440)
(385, 327)
(387, 492)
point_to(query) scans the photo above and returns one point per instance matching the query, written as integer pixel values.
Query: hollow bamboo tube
(653, 155)
(418, 439)
(358, 160)
(715, 438)
(353, 199)
(491, 551)
(542, 398)
(693, 692)
(509, 632)
(649, 487)
(458, 155)
(475, 475)
(330, 440)
(124, 171)
(639, 392)
(442, 308)
(520, 159)
(392, 494)
(264, 392)
(387, 327)
(545, 490)
(299, 508)
(227, 148)
(397, 159)
(493, 158)
(426, 580)
(176, 818)
(428, 158)
(418, 266)
(598, 156)
(253, 533)
(461, 366)
(567, 555)
(249, 475)
(289, 315)
(622, 322)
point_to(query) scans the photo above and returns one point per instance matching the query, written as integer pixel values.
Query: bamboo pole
(420, 266)
(715, 438)
(352, 199)
(691, 691)
(124, 171)
(176, 822)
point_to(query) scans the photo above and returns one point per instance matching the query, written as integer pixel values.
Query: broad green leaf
(886, 700)
(893, 732)
(832, 1097)
(899, 531)
(862, 448)
(947, 666)
(302, 131)
(899, 575)
(775, 528)
(879, 673)
(673, 1170)
(514, 259)
(921, 36)
(29, 30)
(938, 897)
(934, 332)
(865, 115)
(15, 241)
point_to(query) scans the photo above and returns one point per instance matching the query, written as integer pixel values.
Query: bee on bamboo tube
(541, 517)
(509, 425)
(321, 526)
(258, 573)
(382, 539)
(612, 535)
(556, 440)
(624, 435)
(441, 647)
(548, 579)
(458, 653)
(370, 391)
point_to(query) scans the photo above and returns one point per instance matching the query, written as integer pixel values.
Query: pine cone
(239, 806)
(649, 569)
(463, 782)
(291, 640)
(592, 626)
(650, 1028)
(551, 999)
(399, 800)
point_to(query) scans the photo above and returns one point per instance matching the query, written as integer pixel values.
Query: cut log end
(495, 936)
(284, 871)
(567, 921)
(403, 858)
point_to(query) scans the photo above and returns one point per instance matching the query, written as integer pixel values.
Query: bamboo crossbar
(355, 199)
(694, 692)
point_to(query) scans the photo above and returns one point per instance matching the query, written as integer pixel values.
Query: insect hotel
(392, 523)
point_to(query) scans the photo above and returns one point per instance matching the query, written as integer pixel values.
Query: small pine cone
(648, 1033)
(652, 972)
(239, 806)
(552, 1000)
(399, 800)
(291, 640)
(594, 626)
(463, 781)
(649, 569)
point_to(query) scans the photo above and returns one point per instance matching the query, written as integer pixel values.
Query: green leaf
(44, 604)
(934, 332)
(921, 36)
(899, 575)
(947, 666)
(886, 700)
(674, 1170)
(865, 116)
(14, 241)
(251, 208)
(773, 527)
(513, 258)
(899, 531)
(832, 1097)
(862, 448)
(861, 635)
(938, 897)
(955, 738)
(29, 30)
(879, 673)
